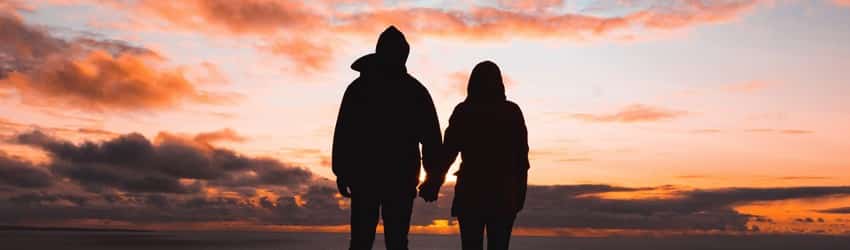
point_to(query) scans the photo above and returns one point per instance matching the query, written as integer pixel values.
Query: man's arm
(432, 153)
(341, 153)
(432, 141)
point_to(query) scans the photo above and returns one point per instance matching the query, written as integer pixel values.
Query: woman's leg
(471, 233)
(499, 232)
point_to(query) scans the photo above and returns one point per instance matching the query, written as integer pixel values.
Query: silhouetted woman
(490, 134)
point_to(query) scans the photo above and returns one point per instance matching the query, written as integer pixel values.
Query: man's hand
(430, 190)
(343, 187)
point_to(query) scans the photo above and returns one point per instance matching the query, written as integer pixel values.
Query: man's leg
(364, 220)
(471, 233)
(499, 232)
(396, 214)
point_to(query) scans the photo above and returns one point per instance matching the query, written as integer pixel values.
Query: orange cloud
(285, 23)
(845, 3)
(748, 87)
(706, 131)
(538, 6)
(781, 131)
(236, 17)
(101, 82)
(796, 131)
(89, 74)
(207, 72)
(226, 134)
(796, 178)
(11, 7)
(632, 113)
(268, 19)
(500, 23)
(307, 55)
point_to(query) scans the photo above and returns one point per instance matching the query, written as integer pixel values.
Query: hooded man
(384, 117)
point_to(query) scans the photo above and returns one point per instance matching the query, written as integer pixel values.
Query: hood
(485, 84)
(392, 47)
(390, 54)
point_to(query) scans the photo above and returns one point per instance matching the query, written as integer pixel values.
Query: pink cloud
(845, 3)
(285, 24)
(632, 114)
(226, 134)
(748, 87)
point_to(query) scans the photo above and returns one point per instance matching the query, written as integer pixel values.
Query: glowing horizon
(664, 100)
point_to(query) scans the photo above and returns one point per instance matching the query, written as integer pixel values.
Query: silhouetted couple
(384, 117)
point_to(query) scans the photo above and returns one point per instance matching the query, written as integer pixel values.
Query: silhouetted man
(384, 116)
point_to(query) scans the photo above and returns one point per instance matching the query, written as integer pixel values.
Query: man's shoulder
(410, 80)
(356, 84)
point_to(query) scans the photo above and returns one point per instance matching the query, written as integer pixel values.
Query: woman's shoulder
(512, 106)
(461, 107)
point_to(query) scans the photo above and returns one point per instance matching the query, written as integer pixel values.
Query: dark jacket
(490, 134)
(384, 117)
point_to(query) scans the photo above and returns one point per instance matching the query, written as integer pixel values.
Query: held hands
(430, 189)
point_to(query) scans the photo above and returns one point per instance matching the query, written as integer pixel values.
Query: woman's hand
(430, 190)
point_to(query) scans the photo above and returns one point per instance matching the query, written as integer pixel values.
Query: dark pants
(364, 219)
(498, 231)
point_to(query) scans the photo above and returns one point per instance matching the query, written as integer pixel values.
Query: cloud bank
(181, 178)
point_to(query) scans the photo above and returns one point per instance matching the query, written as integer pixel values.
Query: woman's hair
(485, 84)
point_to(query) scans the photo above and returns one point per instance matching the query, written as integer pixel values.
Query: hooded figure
(490, 134)
(384, 117)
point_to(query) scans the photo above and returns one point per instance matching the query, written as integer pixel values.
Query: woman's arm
(522, 155)
(452, 142)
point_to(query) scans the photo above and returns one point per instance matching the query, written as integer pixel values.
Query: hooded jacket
(490, 134)
(384, 117)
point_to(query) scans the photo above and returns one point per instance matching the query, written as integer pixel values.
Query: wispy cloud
(226, 134)
(845, 3)
(780, 131)
(839, 210)
(632, 114)
(284, 24)
(706, 131)
(748, 87)
(794, 178)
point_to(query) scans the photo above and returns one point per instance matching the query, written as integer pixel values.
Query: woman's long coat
(490, 134)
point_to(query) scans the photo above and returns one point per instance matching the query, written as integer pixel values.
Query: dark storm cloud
(838, 210)
(21, 173)
(181, 178)
(40, 198)
(698, 209)
(133, 163)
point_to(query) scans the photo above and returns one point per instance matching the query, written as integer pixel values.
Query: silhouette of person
(384, 117)
(490, 134)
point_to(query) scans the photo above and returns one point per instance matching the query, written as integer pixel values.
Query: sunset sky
(671, 115)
